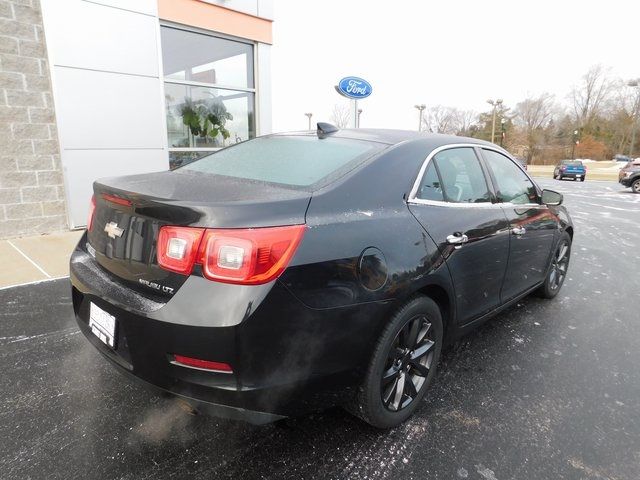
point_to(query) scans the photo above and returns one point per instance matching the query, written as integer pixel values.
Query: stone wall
(31, 186)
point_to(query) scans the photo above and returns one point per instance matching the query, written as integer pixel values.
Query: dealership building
(100, 88)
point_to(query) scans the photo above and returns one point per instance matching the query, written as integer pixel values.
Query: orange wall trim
(212, 17)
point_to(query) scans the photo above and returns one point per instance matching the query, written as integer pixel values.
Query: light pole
(359, 113)
(503, 128)
(309, 115)
(420, 108)
(636, 84)
(495, 104)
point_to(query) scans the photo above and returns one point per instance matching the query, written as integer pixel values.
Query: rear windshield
(297, 161)
(573, 163)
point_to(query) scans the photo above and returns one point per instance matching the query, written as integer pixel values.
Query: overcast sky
(454, 53)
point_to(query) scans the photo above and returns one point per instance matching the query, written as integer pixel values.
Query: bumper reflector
(199, 364)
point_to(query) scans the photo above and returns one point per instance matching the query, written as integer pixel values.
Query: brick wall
(31, 189)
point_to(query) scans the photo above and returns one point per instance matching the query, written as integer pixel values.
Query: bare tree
(340, 116)
(440, 119)
(464, 119)
(590, 97)
(533, 115)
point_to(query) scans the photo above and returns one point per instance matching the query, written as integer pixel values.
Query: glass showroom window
(209, 93)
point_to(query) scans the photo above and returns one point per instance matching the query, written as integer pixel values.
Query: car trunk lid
(131, 210)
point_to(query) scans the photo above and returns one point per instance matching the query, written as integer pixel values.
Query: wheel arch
(438, 294)
(569, 230)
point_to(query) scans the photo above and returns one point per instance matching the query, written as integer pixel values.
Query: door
(532, 225)
(453, 203)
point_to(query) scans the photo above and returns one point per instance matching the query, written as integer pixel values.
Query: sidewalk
(32, 259)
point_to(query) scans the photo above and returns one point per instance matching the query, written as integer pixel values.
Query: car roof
(393, 137)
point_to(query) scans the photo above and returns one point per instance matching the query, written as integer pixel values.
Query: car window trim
(413, 199)
(487, 165)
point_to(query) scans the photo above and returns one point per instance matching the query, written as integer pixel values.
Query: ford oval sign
(354, 87)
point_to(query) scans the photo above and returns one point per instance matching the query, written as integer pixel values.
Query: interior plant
(206, 117)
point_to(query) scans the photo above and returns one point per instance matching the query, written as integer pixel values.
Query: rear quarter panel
(367, 209)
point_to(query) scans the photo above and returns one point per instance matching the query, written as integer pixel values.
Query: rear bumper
(573, 174)
(287, 359)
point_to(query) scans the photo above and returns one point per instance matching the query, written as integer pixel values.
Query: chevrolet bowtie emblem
(113, 230)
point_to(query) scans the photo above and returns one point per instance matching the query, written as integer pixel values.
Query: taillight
(177, 248)
(219, 367)
(248, 256)
(92, 211)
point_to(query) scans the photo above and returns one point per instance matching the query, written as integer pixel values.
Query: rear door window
(430, 187)
(297, 161)
(462, 179)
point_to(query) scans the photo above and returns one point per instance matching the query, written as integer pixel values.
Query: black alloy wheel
(558, 268)
(402, 365)
(408, 362)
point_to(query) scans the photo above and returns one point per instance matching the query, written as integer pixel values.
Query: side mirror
(549, 197)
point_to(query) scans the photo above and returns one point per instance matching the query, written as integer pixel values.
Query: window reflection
(200, 116)
(203, 117)
(203, 58)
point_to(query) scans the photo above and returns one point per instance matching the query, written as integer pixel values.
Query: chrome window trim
(416, 184)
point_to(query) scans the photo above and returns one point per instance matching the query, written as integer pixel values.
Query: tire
(583, 179)
(635, 186)
(557, 270)
(388, 405)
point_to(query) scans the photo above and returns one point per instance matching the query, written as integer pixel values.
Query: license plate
(103, 325)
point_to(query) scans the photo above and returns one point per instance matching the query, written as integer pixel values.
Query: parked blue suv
(570, 169)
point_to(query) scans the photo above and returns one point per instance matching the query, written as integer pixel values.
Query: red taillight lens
(248, 256)
(202, 364)
(92, 211)
(177, 248)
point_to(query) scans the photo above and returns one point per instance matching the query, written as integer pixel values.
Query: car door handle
(457, 239)
(519, 231)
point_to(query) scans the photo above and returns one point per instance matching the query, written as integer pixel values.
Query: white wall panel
(107, 91)
(83, 167)
(97, 37)
(107, 110)
(148, 7)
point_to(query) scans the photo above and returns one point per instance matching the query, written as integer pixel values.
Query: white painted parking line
(30, 261)
(35, 282)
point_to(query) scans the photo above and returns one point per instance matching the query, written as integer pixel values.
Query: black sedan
(298, 271)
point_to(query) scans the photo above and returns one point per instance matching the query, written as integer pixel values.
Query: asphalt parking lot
(546, 390)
